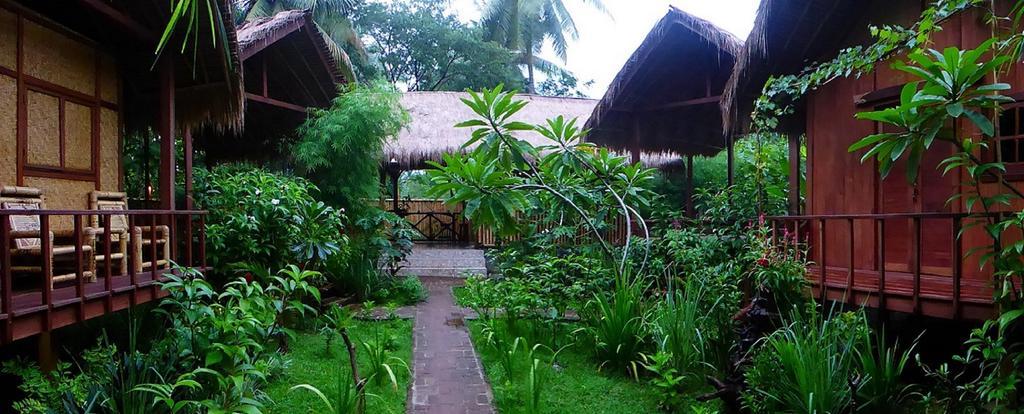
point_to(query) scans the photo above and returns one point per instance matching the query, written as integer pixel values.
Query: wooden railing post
(108, 279)
(916, 247)
(46, 248)
(6, 291)
(822, 288)
(132, 274)
(881, 265)
(79, 273)
(152, 246)
(188, 240)
(202, 240)
(848, 296)
(957, 249)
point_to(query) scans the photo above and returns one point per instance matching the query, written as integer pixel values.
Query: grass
(311, 365)
(459, 293)
(575, 386)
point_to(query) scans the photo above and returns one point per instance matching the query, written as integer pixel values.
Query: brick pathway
(447, 376)
(444, 260)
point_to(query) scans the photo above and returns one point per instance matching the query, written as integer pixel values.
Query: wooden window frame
(27, 83)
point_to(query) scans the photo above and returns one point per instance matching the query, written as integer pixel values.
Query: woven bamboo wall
(110, 151)
(69, 84)
(62, 195)
(8, 39)
(56, 58)
(43, 129)
(8, 129)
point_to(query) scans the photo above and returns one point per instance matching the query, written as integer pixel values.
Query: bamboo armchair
(141, 236)
(27, 246)
(119, 236)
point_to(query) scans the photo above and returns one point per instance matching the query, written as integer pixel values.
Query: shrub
(806, 366)
(265, 219)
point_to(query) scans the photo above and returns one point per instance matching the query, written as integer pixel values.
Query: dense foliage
(354, 129)
(265, 220)
(422, 45)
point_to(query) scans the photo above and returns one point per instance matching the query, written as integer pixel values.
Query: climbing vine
(780, 92)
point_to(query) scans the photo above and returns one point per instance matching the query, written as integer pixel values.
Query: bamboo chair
(99, 200)
(27, 246)
(141, 236)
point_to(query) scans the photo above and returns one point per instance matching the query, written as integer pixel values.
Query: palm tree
(330, 16)
(524, 25)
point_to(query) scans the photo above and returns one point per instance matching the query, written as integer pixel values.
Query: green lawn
(311, 365)
(576, 387)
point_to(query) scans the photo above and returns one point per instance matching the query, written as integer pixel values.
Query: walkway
(447, 376)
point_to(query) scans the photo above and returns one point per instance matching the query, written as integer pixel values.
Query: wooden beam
(730, 156)
(115, 16)
(681, 104)
(165, 128)
(189, 200)
(274, 102)
(794, 174)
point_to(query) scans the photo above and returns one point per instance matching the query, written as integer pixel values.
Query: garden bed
(311, 365)
(574, 385)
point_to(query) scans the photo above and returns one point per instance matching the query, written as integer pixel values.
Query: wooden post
(635, 147)
(689, 186)
(165, 127)
(729, 158)
(187, 138)
(794, 174)
(47, 352)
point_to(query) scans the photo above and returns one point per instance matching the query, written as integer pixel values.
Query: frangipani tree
(570, 180)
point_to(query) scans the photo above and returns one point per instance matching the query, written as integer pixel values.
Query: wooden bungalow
(288, 68)
(74, 77)
(881, 243)
(665, 98)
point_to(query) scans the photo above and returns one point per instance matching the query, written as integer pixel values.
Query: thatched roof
(432, 133)
(256, 35)
(789, 35)
(668, 89)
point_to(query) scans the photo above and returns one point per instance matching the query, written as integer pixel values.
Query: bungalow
(75, 76)
(665, 98)
(883, 243)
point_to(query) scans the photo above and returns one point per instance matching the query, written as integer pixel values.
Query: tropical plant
(524, 26)
(953, 86)
(880, 369)
(618, 324)
(354, 129)
(573, 182)
(378, 352)
(669, 381)
(265, 220)
(806, 365)
(536, 381)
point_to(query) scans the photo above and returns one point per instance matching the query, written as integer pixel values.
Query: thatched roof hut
(432, 132)
(289, 68)
(789, 35)
(665, 98)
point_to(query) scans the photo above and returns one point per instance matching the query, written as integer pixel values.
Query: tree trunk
(530, 84)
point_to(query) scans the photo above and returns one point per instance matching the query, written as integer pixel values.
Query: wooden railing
(152, 240)
(913, 262)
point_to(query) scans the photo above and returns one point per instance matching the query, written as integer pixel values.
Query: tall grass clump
(618, 324)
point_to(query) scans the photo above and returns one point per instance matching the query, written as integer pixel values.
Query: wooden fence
(436, 221)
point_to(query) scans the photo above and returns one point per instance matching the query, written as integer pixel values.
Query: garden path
(447, 375)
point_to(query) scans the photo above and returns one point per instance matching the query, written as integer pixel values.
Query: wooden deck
(30, 316)
(926, 268)
(935, 296)
(35, 301)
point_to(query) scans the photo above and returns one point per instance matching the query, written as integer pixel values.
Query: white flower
(275, 201)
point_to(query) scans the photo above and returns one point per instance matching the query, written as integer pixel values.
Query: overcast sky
(607, 40)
